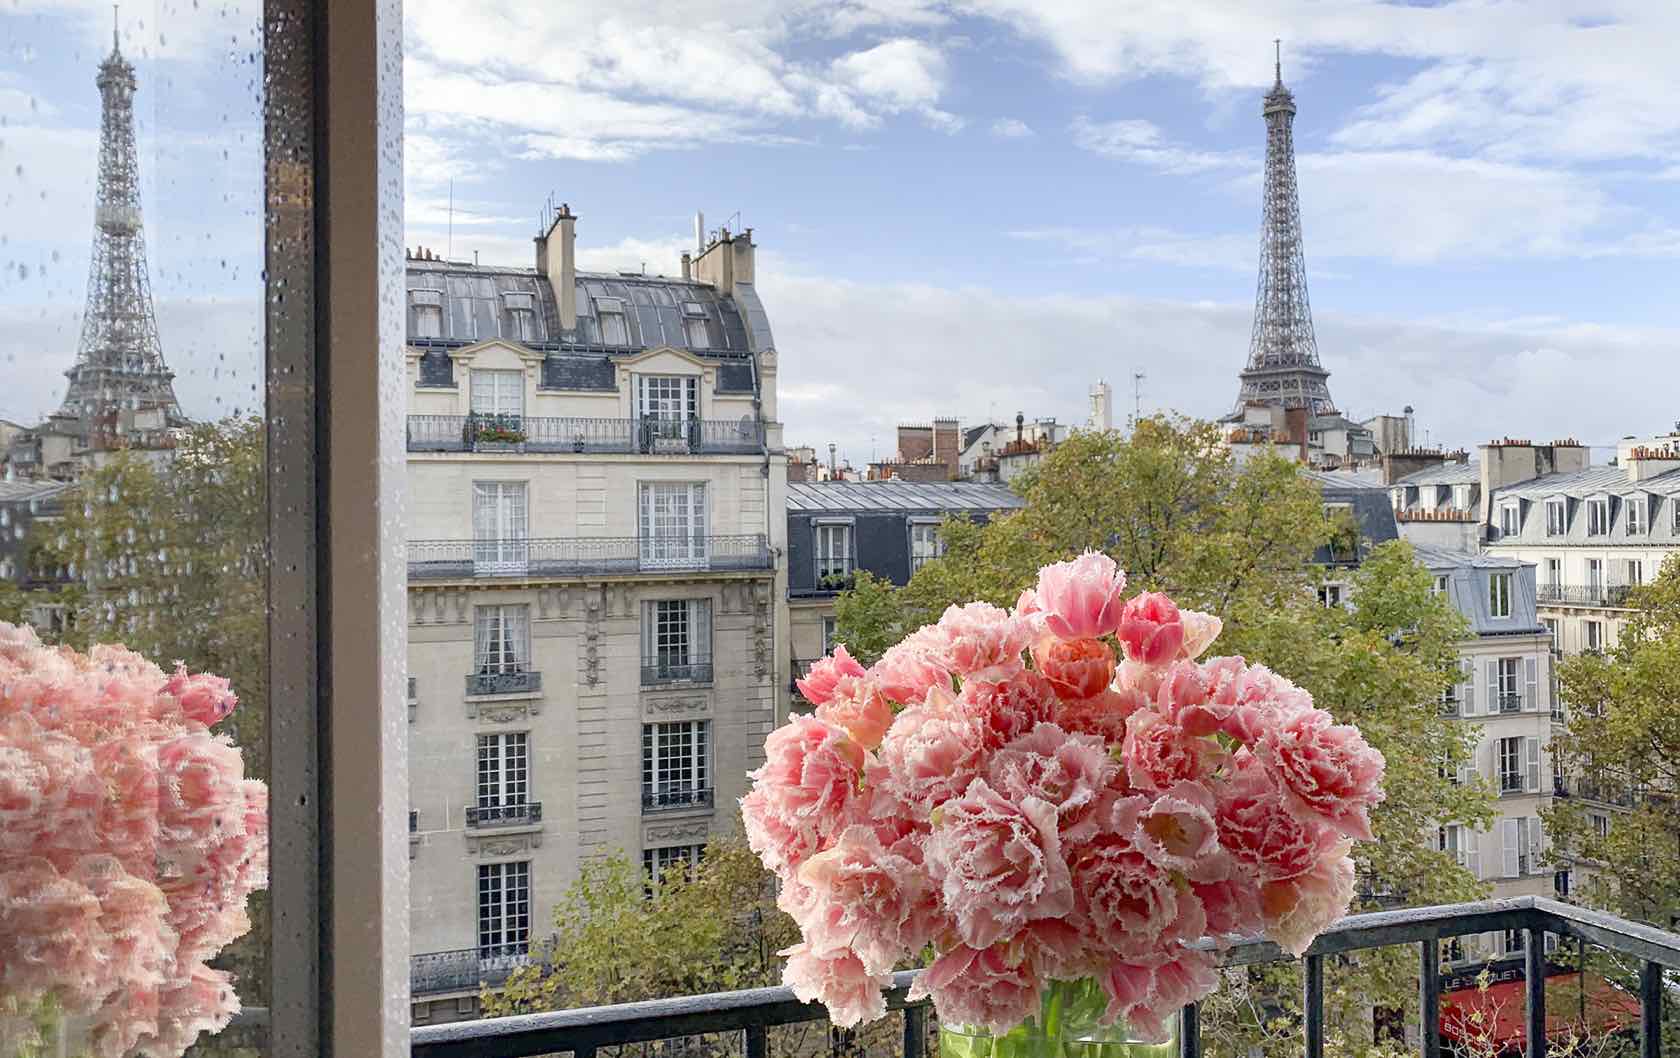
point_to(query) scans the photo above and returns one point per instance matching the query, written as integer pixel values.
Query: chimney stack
(558, 246)
(945, 445)
(726, 262)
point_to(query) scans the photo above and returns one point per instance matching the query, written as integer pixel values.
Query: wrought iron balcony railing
(692, 668)
(464, 969)
(1509, 703)
(676, 797)
(481, 817)
(534, 433)
(586, 556)
(581, 1032)
(519, 682)
(1584, 594)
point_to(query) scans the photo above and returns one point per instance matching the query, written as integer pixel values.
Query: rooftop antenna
(1137, 397)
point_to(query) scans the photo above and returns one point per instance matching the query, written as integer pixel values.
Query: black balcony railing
(676, 797)
(1584, 594)
(1510, 783)
(680, 669)
(1605, 793)
(1509, 703)
(480, 817)
(464, 969)
(520, 682)
(586, 556)
(580, 1032)
(534, 433)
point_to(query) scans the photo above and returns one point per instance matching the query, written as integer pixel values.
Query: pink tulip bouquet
(129, 840)
(1057, 819)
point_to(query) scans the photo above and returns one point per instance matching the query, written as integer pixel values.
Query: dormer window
(427, 306)
(1598, 516)
(1510, 520)
(1499, 595)
(694, 325)
(1557, 516)
(522, 317)
(1638, 522)
(614, 331)
(1461, 497)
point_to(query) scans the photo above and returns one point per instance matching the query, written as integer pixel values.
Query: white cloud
(832, 388)
(1141, 142)
(1147, 243)
(1011, 129)
(610, 81)
(1498, 79)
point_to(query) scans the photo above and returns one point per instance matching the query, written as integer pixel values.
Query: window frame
(336, 733)
(502, 771)
(1636, 515)
(1598, 516)
(610, 306)
(691, 768)
(823, 533)
(501, 880)
(1500, 586)
(1558, 526)
(935, 546)
(1510, 518)
(511, 653)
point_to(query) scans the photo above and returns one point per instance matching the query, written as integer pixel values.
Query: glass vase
(1067, 1025)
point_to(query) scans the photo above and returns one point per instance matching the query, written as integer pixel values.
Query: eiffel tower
(121, 394)
(1283, 368)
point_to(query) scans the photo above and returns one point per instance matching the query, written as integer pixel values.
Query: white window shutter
(1508, 846)
(700, 614)
(1531, 751)
(1535, 836)
(1531, 671)
(1466, 773)
(1493, 702)
(1469, 669)
(1472, 839)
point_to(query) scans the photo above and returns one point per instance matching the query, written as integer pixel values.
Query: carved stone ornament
(697, 829)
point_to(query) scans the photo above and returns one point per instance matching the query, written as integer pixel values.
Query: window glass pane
(134, 451)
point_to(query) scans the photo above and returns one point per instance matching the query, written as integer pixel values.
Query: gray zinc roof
(1441, 558)
(1592, 481)
(24, 491)
(899, 496)
(1447, 474)
(656, 309)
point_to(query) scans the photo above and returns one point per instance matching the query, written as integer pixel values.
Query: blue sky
(979, 207)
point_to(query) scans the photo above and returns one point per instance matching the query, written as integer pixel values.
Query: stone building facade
(596, 489)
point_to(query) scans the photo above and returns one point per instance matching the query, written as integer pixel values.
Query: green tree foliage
(621, 936)
(171, 559)
(1179, 515)
(1623, 737)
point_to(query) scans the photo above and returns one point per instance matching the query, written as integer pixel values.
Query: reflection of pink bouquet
(129, 840)
(999, 788)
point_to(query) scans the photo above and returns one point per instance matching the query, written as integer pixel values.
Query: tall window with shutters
(676, 640)
(673, 525)
(498, 395)
(504, 911)
(500, 543)
(1636, 515)
(501, 639)
(503, 770)
(1519, 765)
(1557, 521)
(1520, 840)
(1598, 516)
(1505, 675)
